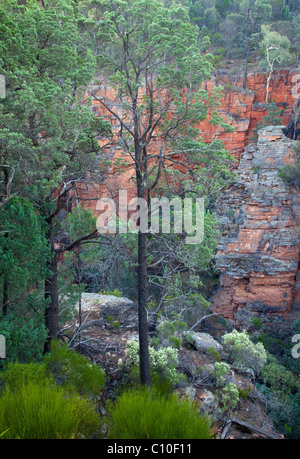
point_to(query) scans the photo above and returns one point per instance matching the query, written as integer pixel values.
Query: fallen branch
(253, 428)
(226, 429)
(202, 320)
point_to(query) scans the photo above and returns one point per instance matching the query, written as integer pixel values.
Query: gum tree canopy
(149, 53)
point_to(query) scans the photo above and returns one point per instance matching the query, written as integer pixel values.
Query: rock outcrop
(259, 245)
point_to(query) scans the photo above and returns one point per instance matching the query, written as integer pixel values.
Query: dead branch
(257, 430)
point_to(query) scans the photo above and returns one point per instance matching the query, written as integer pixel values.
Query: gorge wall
(259, 244)
(259, 247)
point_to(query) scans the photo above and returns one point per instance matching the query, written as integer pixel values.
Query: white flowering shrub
(163, 362)
(243, 352)
(227, 392)
(228, 397)
(222, 370)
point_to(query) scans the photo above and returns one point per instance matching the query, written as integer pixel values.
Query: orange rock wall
(259, 245)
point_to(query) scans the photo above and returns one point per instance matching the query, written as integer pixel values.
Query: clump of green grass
(74, 371)
(145, 413)
(31, 409)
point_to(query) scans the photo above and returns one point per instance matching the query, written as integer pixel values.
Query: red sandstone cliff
(242, 108)
(259, 246)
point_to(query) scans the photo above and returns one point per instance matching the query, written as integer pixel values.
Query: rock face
(259, 251)
(241, 108)
(259, 246)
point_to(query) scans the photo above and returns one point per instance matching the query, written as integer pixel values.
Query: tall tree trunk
(142, 289)
(268, 86)
(51, 295)
(5, 280)
(246, 66)
(80, 295)
(142, 310)
(5, 297)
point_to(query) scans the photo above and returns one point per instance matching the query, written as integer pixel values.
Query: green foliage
(256, 322)
(25, 337)
(115, 292)
(172, 330)
(46, 72)
(17, 374)
(275, 48)
(146, 414)
(163, 363)
(214, 353)
(244, 393)
(23, 257)
(243, 352)
(41, 410)
(281, 381)
(227, 392)
(290, 173)
(74, 371)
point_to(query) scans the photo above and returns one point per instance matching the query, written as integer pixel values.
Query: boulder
(203, 342)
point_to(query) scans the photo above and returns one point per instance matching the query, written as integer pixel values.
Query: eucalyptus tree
(48, 133)
(276, 52)
(149, 54)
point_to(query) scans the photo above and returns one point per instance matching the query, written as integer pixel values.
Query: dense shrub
(32, 406)
(25, 337)
(74, 371)
(17, 374)
(227, 392)
(144, 413)
(281, 381)
(243, 353)
(163, 362)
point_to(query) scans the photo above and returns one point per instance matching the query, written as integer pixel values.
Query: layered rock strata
(259, 244)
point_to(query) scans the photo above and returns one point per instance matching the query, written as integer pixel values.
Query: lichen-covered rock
(110, 307)
(203, 342)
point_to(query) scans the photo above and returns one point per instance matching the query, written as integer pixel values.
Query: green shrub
(33, 406)
(214, 353)
(227, 392)
(243, 353)
(74, 371)
(144, 413)
(41, 411)
(281, 381)
(228, 397)
(25, 337)
(163, 363)
(19, 373)
(244, 393)
(256, 322)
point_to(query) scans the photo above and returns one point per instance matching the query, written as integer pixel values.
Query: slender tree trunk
(80, 299)
(268, 86)
(5, 280)
(142, 286)
(51, 295)
(142, 310)
(5, 297)
(246, 67)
